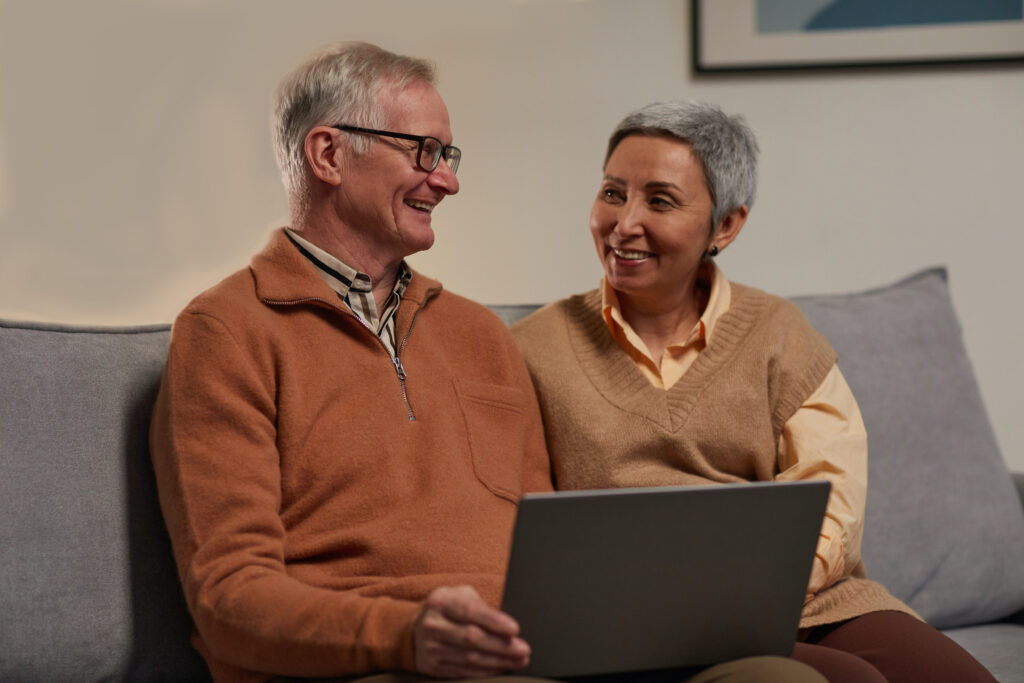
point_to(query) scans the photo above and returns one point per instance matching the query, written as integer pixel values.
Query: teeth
(422, 206)
(630, 255)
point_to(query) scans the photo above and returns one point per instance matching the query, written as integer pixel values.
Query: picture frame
(755, 35)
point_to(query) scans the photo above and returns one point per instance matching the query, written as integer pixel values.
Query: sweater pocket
(495, 418)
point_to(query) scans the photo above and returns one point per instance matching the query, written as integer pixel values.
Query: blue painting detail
(776, 16)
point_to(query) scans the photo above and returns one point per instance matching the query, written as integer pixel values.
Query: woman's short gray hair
(338, 84)
(724, 144)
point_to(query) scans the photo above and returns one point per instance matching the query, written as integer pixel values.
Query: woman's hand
(458, 635)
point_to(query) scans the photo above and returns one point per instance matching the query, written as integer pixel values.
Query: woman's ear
(728, 228)
(324, 154)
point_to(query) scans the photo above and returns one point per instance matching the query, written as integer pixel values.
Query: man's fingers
(472, 637)
(439, 659)
(462, 604)
(456, 656)
(458, 634)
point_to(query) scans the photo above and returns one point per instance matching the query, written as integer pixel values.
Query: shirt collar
(340, 276)
(718, 299)
(282, 275)
(708, 275)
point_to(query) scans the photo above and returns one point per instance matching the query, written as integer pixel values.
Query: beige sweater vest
(607, 426)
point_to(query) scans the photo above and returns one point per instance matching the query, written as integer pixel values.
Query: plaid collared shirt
(356, 290)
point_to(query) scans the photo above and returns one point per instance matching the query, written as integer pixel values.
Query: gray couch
(87, 584)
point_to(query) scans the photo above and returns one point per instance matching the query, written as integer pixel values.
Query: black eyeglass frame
(443, 150)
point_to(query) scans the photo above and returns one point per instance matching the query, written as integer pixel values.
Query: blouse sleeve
(825, 440)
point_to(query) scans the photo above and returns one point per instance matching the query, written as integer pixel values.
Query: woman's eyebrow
(660, 185)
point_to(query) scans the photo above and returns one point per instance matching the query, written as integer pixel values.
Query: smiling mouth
(425, 207)
(632, 255)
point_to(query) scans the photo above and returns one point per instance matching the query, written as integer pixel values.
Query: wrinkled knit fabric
(313, 497)
(607, 426)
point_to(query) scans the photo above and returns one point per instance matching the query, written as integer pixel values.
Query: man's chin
(418, 239)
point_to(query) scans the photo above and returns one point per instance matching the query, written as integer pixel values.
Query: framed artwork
(744, 35)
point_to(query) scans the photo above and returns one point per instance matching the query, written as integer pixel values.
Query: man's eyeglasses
(428, 152)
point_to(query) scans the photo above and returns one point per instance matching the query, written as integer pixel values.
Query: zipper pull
(398, 367)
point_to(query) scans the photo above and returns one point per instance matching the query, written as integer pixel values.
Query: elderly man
(340, 443)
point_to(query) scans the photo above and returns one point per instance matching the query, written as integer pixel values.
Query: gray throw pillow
(944, 529)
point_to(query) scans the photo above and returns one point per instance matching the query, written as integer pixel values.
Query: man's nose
(442, 178)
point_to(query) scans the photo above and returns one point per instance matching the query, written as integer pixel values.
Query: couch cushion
(1000, 647)
(944, 529)
(88, 589)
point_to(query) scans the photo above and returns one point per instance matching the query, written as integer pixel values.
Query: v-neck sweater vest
(608, 426)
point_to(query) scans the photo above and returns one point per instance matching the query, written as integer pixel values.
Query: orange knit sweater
(313, 497)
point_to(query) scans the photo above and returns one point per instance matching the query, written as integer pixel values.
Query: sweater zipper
(396, 360)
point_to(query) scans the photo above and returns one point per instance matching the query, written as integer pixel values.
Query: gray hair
(338, 84)
(725, 146)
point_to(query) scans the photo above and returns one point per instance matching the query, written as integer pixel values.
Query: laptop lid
(619, 580)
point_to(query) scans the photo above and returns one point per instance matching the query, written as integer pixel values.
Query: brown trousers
(873, 648)
(748, 670)
(887, 646)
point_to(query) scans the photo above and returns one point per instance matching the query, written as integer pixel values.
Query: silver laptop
(622, 580)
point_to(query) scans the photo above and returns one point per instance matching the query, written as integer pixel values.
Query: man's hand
(458, 635)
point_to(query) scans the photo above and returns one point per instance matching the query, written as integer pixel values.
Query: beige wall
(135, 166)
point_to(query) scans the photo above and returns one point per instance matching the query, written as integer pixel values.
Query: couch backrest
(944, 529)
(88, 588)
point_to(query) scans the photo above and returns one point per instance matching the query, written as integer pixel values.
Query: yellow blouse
(824, 439)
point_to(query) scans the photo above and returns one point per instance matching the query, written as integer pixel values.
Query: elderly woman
(670, 374)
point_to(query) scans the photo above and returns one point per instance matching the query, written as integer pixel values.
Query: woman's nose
(629, 221)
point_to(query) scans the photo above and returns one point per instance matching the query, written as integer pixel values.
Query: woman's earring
(713, 251)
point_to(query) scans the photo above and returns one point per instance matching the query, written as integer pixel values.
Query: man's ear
(729, 227)
(325, 153)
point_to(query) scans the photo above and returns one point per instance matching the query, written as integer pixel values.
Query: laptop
(623, 580)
